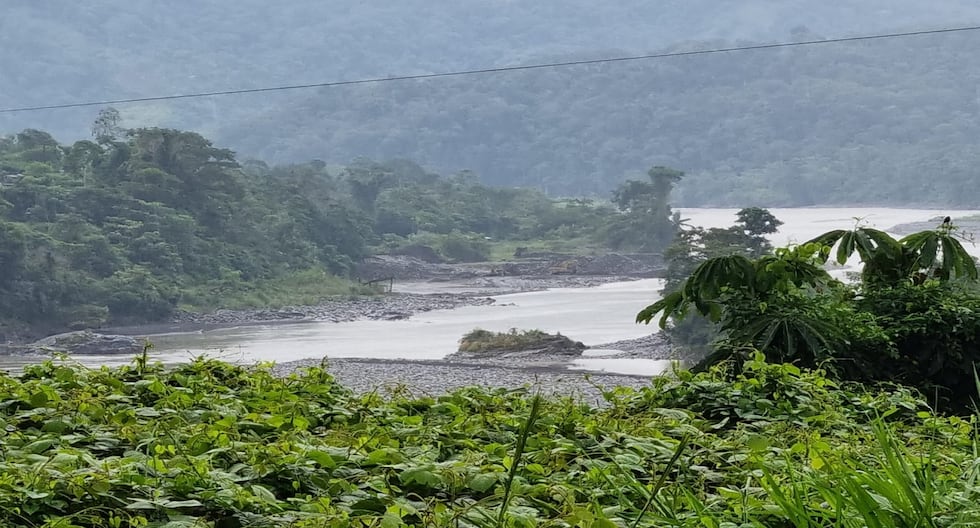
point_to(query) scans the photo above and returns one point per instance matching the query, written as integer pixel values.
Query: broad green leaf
(263, 493)
(56, 426)
(846, 248)
(39, 399)
(372, 504)
(420, 475)
(142, 504)
(39, 446)
(483, 481)
(390, 520)
(322, 458)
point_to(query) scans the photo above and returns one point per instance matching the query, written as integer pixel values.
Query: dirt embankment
(547, 267)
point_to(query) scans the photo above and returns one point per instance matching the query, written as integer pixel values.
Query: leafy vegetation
(213, 445)
(129, 226)
(912, 319)
(479, 340)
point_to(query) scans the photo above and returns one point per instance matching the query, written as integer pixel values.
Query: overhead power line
(484, 71)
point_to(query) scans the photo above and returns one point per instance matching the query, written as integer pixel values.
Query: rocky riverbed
(430, 378)
(390, 307)
(127, 340)
(654, 346)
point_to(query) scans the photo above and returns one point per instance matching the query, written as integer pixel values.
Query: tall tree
(107, 126)
(647, 223)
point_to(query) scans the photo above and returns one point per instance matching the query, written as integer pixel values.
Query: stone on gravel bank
(85, 342)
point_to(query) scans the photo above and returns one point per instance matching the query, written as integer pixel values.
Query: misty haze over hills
(891, 121)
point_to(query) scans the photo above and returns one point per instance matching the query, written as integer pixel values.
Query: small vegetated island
(530, 344)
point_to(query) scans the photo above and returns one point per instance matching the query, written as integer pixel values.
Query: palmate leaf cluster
(692, 336)
(912, 318)
(208, 444)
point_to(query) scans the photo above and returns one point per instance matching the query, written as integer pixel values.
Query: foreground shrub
(214, 445)
(934, 331)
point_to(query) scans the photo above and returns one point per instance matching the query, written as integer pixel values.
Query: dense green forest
(888, 122)
(137, 223)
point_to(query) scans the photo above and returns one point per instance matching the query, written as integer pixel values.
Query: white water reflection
(629, 366)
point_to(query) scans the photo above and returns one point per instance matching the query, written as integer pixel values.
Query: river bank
(411, 297)
(383, 352)
(385, 307)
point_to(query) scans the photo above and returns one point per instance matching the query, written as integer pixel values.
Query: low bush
(214, 445)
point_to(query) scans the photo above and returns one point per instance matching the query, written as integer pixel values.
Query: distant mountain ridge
(784, 127)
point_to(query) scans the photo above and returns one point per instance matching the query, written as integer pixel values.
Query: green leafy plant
(911, 320)
(212, 444)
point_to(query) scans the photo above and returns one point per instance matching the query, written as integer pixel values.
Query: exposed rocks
(500, 285)
(403, 267)
(419, 264)
(385, 307)
(85, 342)
(423, 253)
(637, 265)
(654, 346)
(611, 264)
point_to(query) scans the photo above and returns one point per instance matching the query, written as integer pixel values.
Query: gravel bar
(433, 378)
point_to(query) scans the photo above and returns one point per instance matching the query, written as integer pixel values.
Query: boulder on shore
(86, 342)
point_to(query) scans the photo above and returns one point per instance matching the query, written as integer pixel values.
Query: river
(591, 315)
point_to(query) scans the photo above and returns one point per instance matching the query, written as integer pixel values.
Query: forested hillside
(138, 223)
(890, 121)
